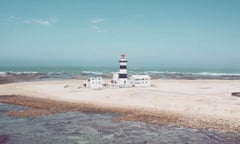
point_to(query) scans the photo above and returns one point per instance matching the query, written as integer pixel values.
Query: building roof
(141, 77)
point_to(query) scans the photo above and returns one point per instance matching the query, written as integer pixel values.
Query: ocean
(106, 72)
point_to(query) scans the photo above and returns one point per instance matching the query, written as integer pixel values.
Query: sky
(164, 33)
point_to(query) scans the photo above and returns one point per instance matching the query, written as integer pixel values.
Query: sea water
(94, 128)
(59, 72)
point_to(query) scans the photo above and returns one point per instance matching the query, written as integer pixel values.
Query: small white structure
(94, 83)
(115, 78)
(140, 80)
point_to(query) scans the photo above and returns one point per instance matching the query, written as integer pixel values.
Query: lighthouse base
(120, 82)
(123, 82)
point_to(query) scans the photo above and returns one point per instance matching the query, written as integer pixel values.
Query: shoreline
(40, 107)
(189, 103)
(28, 76)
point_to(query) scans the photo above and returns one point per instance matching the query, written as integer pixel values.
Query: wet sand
(40, 107)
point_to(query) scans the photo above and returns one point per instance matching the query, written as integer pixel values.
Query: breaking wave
(20, 73)
(92, 72)
(219, 74)
(2, 73)
(155, 74)
(192, 73)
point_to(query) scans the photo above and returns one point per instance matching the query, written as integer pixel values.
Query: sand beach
(189, 103)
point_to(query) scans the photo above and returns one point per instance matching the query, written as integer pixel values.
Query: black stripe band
(122, 76)
(123, 61)
(123, 67)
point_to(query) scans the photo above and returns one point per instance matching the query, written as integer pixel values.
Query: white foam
(2, 73)
(219, 74)
(25, 72)
(92, 72)
(161, 72)
(192, 73)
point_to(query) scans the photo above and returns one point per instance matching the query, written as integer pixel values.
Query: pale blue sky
(174, 33)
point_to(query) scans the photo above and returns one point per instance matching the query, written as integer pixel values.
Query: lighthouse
(120, 78)
(122, 75)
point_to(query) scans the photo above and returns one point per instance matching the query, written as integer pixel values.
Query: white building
(140, 80)
(115, 78)
(94, 83)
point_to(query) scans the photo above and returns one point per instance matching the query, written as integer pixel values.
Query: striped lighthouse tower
(122, 75)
